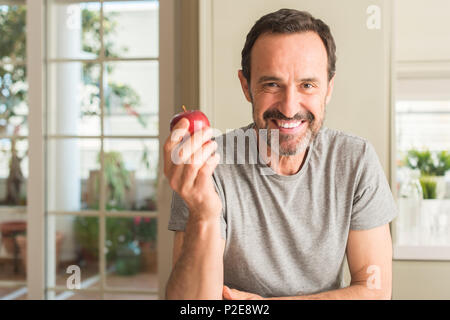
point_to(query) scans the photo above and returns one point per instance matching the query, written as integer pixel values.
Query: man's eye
(308, 86)
(271, 85)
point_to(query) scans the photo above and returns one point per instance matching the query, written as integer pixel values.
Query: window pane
(13, 172)
(423, 124)
(74, 99)
(73, 249)
(74, 29)
(13, 228)
(423, 158)
(13, 100)
(131, 28)
(76, 242)
(13, 149)
(131, 255)
(131, 98)
(131, 168)
(12, 19)
(73, 174)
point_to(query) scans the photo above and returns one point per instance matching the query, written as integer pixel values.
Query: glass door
(102, 145)
(14, 150)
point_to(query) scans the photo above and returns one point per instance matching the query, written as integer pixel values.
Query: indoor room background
(87, 91)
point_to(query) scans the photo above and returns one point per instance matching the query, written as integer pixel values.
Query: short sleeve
(373, 203)
(179, 214)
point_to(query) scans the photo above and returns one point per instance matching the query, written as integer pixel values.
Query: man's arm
(197, 262)
(369, 256)
(189, 162)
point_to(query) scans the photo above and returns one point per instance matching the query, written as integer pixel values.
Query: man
(246, 235)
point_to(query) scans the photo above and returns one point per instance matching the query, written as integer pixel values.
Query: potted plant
(119, 231)
(432, 166)
(146, 229)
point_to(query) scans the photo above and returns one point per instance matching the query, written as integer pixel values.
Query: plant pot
(22, 243)
(9, 231)
(149, 261)
(128, 260)
(441, 187)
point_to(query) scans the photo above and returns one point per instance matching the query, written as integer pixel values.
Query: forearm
(353, 292)
(198, 273)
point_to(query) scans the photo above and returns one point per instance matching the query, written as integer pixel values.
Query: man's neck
(288, 165)
(285, 165)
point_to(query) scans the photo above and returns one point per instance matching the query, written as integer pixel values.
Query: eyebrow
(273, 78)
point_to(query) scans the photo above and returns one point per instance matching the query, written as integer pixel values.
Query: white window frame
(416, 70)
(36, 214)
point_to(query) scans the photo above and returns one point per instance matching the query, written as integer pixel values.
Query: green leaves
(116, 95)
(117, 179)
(429, 163)
(12, 50)
(12, 38)
(443, 158)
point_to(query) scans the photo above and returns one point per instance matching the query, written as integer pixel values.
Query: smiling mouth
(289, 125)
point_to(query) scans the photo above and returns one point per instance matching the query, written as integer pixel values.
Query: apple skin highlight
(197, 120)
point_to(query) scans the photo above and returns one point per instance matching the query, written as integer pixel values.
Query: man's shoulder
(328, 138)
(341, 145)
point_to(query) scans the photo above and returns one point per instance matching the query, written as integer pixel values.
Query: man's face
(289, 87)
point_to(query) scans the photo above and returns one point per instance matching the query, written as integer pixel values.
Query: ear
(245, 86)
(330, 90)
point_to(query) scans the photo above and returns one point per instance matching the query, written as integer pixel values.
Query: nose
(290, 104)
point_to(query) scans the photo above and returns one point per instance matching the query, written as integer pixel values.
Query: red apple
(195, 117)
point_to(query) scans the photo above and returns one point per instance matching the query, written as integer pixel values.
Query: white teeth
(288, 125)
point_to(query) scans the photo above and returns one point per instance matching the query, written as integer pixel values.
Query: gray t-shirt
(287, 235)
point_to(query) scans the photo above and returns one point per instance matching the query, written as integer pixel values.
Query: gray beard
(299, 147)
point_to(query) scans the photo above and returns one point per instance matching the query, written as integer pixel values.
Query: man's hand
(189, 162)
(188, 165)
(233, 294)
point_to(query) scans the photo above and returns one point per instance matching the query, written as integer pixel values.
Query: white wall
(423, 30)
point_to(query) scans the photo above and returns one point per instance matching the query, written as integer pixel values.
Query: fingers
(178, 132)
(206, 171)
(196, 162)
(194, 143)
(185, 155)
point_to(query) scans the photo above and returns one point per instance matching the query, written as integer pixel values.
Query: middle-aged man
(242, 234)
